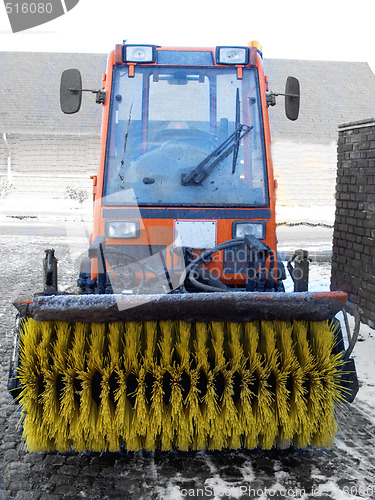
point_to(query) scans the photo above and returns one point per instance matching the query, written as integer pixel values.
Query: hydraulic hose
(205, 255)
(202, 258)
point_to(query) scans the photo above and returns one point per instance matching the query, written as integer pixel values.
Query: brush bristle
(171, 384)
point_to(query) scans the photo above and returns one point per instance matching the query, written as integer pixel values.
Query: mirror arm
(100, 94)
(287, 95)
(271, 97)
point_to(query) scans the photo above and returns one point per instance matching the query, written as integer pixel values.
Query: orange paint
(239, 72)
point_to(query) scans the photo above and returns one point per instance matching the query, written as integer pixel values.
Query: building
(43, 151)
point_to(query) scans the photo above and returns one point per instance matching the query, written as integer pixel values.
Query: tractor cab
(185, 167)
(186, 135)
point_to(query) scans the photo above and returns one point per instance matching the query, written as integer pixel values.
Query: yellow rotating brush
(171, 384)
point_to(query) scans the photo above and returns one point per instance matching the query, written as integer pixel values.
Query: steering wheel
(188, 135)
(122, 276)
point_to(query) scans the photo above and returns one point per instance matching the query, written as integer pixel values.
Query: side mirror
(292, 98)
(70, 91)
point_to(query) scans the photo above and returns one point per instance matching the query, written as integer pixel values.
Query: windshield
(166, 121)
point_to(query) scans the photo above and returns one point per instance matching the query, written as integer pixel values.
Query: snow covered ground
(345, 472)
(335, 479)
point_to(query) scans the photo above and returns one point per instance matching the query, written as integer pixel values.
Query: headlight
(139, 53)
(232, 55)
(121, 229)
(257, 229)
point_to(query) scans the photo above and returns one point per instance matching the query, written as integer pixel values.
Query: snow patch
(331, 489)
(316, 214)
(170, 492)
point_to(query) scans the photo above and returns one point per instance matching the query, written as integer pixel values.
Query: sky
(315, 30)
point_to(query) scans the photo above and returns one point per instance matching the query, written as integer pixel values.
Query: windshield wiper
(205, 167)
(237, 142)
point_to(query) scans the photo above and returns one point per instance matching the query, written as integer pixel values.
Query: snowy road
(345, 472)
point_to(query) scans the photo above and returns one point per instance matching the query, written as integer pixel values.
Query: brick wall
(353, 260)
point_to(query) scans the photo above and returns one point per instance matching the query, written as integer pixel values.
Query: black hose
(270, 279)
(205, 255)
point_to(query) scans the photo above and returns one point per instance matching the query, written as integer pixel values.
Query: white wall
(46, 164)
(306, 173)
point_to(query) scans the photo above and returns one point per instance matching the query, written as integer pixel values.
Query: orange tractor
(182, 335)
